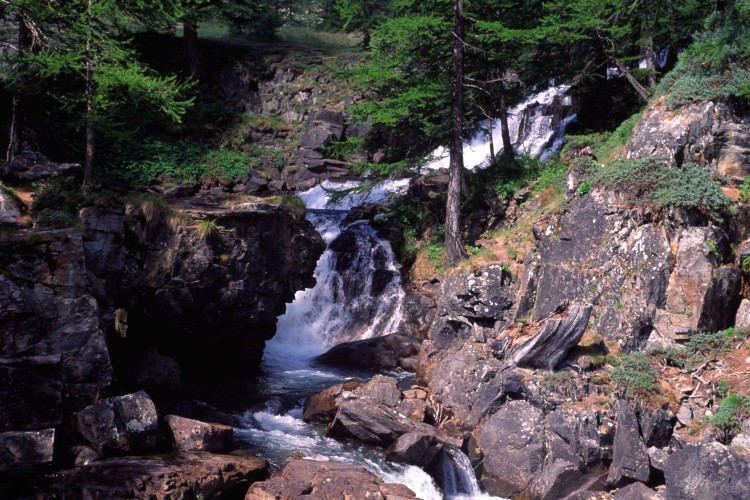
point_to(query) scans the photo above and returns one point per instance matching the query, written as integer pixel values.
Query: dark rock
(549, 347)
(157, 375)
(309, 478)
(193, 435)
(322, 407)
(181, 191)
(10, 210)
(637, 491)
(630, 458)
(33, 166)
(480, 295)
(415, 448)
(657, 427)
(378, 353)
(186, 476)
(562, 479)
(22, 452)
(277, 186)
(512, 447)
(708, 470)
(119, 424)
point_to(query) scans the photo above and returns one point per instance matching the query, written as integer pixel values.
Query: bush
(636, 374)
(733, 410)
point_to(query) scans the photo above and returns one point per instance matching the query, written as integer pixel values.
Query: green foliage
(733, 410)
(436, 254)
(606, 144)
(583, 189)
(636, 374)
(698, 348)
(207, 228)
(551, 175)
(652, 181)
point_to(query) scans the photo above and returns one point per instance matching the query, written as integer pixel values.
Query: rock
(322, 407)
(119, 424)
(323, 126)
(277, 186)
(562, 479)
(23, 452)
(511, 442)
(708, 470)
(657, 426)
(378, 353)
(549, 347)
(193, 435)
(308, 478)
(637, 491)
(186, 476)
(10, 210)
(181, 191)
(158, 375)
(630, 458)
(742, 319)
(741, 442)
(657, 458)
(480, 295)
(713, 134)
(415, 448)
(33, 166)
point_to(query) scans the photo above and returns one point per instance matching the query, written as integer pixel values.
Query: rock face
(176, 290)
(25, 451)
(708, 470)
(630, 459)
(710, 134)
(9, 209)
(54, 358)
(119, 424)
(187, 476)
(193, 435)
(378, 353)
(301, 478)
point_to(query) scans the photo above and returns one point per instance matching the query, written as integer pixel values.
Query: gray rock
(742, 320)
(415, 448)
(512, 447)
(9, 209)
(378, 353)
(549, 347)
(480, 295)
(33, 166)
(119, 424)
(26, 451)
(708, 470)
(630, 458)
(656, 427)
(194, 435)
(637, 491)
(322, 407)
(180, 191)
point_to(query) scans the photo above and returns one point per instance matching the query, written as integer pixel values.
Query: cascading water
(357, 294)
(536, 127)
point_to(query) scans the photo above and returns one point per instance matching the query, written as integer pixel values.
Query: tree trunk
(650, 57)
(491, 140)
(15, 141)
(631, 80)
(453, 240)
(192, 49)
(504, 128)
(88, 169)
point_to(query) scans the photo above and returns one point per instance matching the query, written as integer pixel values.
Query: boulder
(22, 452)
(308, 478)
(511, 443)
(637, 491)
(119, 424)
(742, 319)
(378, 353)
(181, 191)
(481, 295)
(630, 457)
(33, 166)
(419, 448)
(10, 210)
(709, 470)
(548, 348)
(322, 407)
(191, 475)
(194, 435)
(158, 375)
(657, 426)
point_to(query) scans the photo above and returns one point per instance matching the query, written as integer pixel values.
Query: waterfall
(536, 127)
(458, 478)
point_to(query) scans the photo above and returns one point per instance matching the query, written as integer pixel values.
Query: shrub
(636, 374)
(207, 228)
(733, 410)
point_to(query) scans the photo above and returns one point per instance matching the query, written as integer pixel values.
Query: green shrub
(226, 164)
(207, 228)
(56, 218)
(636, 374)
(733, 410)
(551, 175)
(583, 189)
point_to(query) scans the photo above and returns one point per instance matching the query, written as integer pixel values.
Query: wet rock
(379, 353)
(309, 478)
(158, 375)
(630, 458)
(713, 134)
(186, 476)
(511, 442)
(708, 470)
(193, 435)
(415, 448)
(322, 407)
(549, 347)
(119, 424)
(637, 491)
(26, 451)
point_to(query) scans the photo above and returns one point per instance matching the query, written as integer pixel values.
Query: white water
(535, 129)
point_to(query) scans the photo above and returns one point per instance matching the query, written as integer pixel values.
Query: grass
(306, 37)
(207, 228)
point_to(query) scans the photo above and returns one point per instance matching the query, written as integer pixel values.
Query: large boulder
(418, 448)
(26, 451)
(119, 424)
(379, 353)
(709, 470)
(33, 166)
(714, 134)
(186, 476)
(322, 407)
(309, 478)
(194, 435)
(630, 458)
(511, 443)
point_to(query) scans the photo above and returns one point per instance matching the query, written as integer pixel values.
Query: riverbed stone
(322, 407)
(189, 435)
